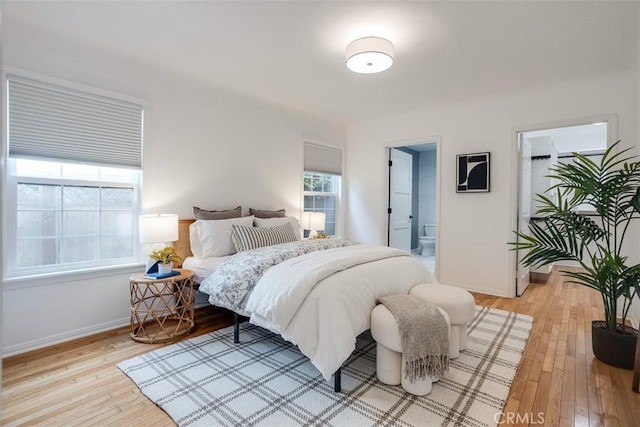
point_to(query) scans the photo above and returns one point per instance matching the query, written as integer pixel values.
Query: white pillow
(213, 237)
(194, 240)
(274, 222)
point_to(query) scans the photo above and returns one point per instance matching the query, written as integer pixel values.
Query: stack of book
(157, 275)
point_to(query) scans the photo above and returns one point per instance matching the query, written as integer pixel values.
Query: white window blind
(321, 159)
(55, 122)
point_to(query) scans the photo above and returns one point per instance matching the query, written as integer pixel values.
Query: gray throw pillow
(213, 215)
(258, 213)
(247, 238)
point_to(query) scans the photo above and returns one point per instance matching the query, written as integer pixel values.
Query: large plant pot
(614, 348)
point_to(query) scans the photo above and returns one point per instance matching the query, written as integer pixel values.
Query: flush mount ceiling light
(369, 55)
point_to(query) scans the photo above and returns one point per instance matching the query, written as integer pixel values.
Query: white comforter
(322, 301)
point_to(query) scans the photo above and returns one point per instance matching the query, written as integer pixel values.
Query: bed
(316, 294)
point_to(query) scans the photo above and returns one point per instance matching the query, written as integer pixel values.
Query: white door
(524, 208)
(400, 179)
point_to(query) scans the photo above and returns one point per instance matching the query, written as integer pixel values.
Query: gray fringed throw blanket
(423, 334)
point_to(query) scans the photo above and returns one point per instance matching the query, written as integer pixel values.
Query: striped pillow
(246, 238)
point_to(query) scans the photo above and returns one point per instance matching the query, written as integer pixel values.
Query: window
(321, 184)
(70, 216)
(321, 195)
(73, 185)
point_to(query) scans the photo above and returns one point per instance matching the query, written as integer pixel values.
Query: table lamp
(158, 230)
(313, 221)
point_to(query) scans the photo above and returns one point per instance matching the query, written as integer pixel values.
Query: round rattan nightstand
(161, 309)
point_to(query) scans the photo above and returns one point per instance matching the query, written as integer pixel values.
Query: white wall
(427, 189)
(2, 166)
(475, 228)
(38, 316)
(204, 146)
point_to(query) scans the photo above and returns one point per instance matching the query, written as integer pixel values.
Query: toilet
(428, 241)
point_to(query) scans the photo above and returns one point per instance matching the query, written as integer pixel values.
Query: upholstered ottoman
(459, 305)
(389, 360)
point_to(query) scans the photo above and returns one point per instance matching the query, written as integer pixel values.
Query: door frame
(384, 227)
(514, 170)
(521, 175)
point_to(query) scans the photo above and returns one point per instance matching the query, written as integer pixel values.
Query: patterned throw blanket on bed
(234, 280)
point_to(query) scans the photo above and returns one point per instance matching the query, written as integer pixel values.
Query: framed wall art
(473, 173)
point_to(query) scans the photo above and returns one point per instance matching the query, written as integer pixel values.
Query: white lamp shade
(158, 228)
(313, 220)
(369, 55)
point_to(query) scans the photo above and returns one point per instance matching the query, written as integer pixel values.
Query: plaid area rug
(209, 381)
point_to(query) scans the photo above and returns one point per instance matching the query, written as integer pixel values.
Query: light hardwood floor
(77, 383)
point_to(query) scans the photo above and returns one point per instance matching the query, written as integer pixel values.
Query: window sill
(48, 279)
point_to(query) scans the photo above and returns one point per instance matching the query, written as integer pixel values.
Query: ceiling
(292, 53)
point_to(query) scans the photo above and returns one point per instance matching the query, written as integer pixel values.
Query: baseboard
(60, 338)
(479, 289)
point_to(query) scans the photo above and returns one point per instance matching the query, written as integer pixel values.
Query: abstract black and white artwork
(473, 173)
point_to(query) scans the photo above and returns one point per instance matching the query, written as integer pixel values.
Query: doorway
(538, 152)
(412, 200)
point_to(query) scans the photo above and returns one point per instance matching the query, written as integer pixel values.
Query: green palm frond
(612, 187)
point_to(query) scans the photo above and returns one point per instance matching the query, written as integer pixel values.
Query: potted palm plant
(596, 243)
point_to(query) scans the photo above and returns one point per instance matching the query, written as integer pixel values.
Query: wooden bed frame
(183, 244)
(183, 248)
